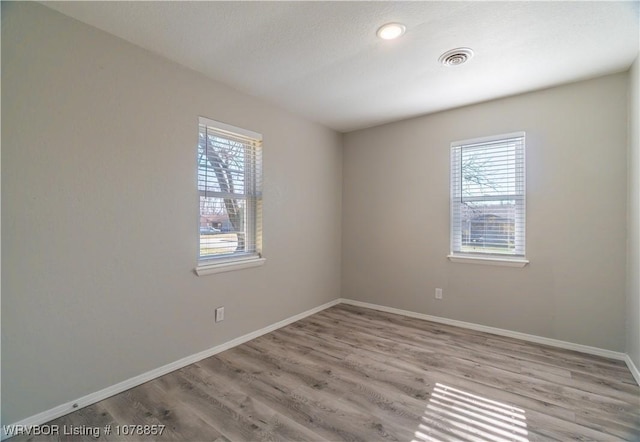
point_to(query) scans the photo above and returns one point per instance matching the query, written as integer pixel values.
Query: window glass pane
(488, 226)
(219, 233)
(489, 170)
(221, 164)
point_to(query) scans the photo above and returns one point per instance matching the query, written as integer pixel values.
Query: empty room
(320, 221)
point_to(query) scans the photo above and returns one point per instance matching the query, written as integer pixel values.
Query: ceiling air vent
(456, 57)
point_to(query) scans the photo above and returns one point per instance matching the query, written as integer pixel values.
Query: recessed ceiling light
(391, 31)
(456, 57)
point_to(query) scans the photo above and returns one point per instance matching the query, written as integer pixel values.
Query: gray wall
(100, 231)
(396, 216)
(633, 244)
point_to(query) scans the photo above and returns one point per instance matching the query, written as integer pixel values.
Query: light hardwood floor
(354, 374)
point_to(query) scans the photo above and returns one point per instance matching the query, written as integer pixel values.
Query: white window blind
(488, 196)
(230, 192)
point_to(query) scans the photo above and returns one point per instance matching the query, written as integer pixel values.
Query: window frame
(252, 194)
(516, 259)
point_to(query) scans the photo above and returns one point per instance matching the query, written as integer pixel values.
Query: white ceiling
(324, 61)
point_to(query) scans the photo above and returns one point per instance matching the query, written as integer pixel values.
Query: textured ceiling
(324, 61)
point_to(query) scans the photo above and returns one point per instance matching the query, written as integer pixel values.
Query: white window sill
(228, 266)
(492, 261)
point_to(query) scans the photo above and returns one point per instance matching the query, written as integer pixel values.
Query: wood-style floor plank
(354, 374)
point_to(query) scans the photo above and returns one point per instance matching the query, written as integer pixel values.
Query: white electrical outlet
(220, 314)
(438, 293)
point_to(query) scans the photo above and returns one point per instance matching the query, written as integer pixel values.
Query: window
(488, 199)
(230, 193)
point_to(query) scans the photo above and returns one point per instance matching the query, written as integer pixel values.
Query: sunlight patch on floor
(453, 414)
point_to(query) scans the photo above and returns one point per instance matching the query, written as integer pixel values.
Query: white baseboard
(496, 331)
(633, 368)
(92, 398)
